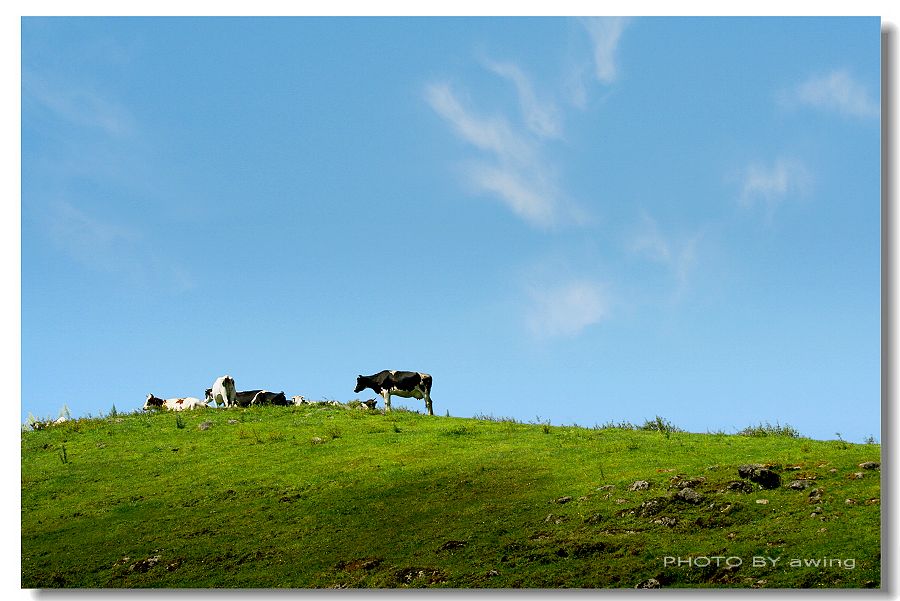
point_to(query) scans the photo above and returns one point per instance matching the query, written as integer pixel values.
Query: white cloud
(605, 33)
(575, 86)
(513, 170)
(566, 310)
(78, 105)
(492, 135)
(93, 242)
(532, 201)
(103, 245)
(836, 91)
(541, 117)
(677, 255)
(770, 185)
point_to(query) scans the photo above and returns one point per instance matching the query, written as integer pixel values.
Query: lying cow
(401, 383)
(246, 398)
(176, 404)
(243, 398)
(264, 397)
(222, 391)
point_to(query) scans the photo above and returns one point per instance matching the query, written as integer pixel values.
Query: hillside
(324, 496)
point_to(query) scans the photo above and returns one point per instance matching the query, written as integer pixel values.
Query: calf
(401, 383)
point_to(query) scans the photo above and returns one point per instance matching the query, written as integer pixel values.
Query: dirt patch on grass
(419, 576)
(366, 563)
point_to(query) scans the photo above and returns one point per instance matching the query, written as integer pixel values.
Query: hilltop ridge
(333, 496)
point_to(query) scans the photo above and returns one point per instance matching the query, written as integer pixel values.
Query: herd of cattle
(386, 383)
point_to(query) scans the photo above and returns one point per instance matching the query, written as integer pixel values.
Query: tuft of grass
(490, 418)
(458, 431)
(611, 425)
(660, 424)
(179, 421)
(768, 429)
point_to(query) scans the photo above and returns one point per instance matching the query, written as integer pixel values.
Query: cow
(176, 404)
(243, 398)
(246, 398)
(401, 383)
(187, 403)
(299, 400)
(222, 391)
(264, 397)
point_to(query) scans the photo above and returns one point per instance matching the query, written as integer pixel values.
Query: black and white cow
(222, 391)
(176, 404)
(264, 397)
(245, 398)
(401, 383)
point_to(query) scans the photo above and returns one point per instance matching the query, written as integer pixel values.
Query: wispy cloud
(101, 244)
(78, 105)
(605, 34)
(525, 194)
(678, 255)
(494, 135)
(92, 241)
(512, 168)
(541, 116)
(567, 309)
(770, 185)
(837, 91)
(516, 165)
(575, 86)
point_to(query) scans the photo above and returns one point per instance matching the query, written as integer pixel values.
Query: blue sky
(580, 220)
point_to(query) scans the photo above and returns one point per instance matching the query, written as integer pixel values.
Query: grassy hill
(319, 496)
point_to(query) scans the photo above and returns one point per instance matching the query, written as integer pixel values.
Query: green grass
(333, 497)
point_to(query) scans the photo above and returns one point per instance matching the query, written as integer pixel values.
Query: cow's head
(362, 382)
(209, 394)
(153, 402)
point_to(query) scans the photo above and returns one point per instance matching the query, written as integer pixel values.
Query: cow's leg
(428, 403)
(387, 400)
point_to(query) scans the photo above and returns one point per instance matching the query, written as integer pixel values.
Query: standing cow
(223, 391)
(402, 383)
